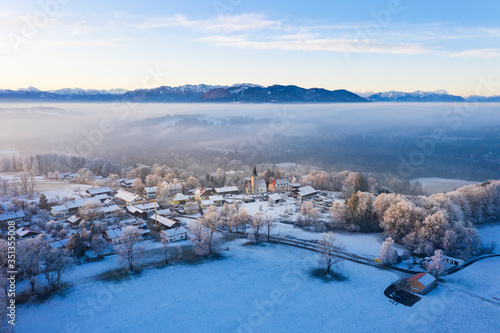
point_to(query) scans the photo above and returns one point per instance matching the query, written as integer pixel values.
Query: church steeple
(254, 172)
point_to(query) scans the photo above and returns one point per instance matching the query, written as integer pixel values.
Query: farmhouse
(176, 234)
(421, 283)
(206, 203)
(218, 200)
(280, 186)
(203, 194)
(306, 192)
(148, 207)
(128, 197)
(99, 191)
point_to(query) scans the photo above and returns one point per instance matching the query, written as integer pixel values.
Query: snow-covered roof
(207, 202)
(225, 190)
(180, 197)
(175, 231)
(59, 208)
(11, 216)
(151, 189)
(23, 232)
(126, 196)
(280, 182)
(73, 219)
(59, 243)
(261, 183)
(109, 209)
(307, 190)
(102, 196)
(113, 233)
(165, 221)
(134, 209)
(146, 206)
(101, 190)
(80, 202)
(424, 278)
(216, 198)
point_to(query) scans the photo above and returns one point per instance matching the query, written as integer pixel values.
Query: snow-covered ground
(480, 278)
(435, 185)
(265, 288)
(490, 233)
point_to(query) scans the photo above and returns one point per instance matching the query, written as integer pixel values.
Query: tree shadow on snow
(320, 273)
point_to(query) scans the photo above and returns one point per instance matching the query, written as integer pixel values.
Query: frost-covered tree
(388, 254)
(98, 245)
(164, 239)
(328, 249)
(256, 224)
(436, 266)
(308, 214)
(199, 236)
(30, 257)
(128, 247)
(269, 224)
(57, 262)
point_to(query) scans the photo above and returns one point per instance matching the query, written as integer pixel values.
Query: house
(274, 198)
(421, 283)
(102, 197)
(203, 194)
(454, 261)
(280, 186)
(306, 192)
(59, 243)
(74, 221)
(27, 233)
(179, 199)
(191, 208)
(12, 216)
(151, 191)
(71, 207)
(164, 212)
(255, 185)
(226, 190)
(136, 212)
(166, 222)
(148, 207)
(204, 204)
(110, 211)
(126, 183)
(218, 200)
(128, 197)
(176, 234)
(99, 191)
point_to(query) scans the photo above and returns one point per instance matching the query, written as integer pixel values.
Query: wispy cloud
(227, 24)
(316, 44)
(478, 53)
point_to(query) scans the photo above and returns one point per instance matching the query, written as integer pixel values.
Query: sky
(356, 45)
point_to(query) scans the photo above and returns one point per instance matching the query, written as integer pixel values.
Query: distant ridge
(238, 93)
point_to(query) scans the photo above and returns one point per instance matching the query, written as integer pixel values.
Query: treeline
(424, 224)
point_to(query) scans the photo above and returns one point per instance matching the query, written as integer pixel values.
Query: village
(90, 222)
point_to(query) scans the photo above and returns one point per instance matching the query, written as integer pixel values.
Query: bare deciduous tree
(30, 256)
(98, 245)
(329, 247)
(128, 248)
(165, 242)
(269, 224)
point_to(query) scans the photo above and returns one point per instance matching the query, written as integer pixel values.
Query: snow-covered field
(480, 278)
(490, 233)
(435, 185)
(265, 288)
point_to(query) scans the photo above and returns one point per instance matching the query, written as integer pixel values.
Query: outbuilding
(421, 283)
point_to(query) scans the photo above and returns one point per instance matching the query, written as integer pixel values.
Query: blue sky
(356, 45)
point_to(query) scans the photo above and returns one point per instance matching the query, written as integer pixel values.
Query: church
(255, 185)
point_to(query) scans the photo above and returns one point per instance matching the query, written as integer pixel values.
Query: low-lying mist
(406, 139)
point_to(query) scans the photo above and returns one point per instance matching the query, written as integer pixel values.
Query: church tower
(254, 180)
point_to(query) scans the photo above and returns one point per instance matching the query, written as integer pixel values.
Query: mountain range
(238, 93)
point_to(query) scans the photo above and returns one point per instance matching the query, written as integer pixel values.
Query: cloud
(227, 24)
(478, 53)
(301, 43)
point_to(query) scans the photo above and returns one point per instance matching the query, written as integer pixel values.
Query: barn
(421, 283)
